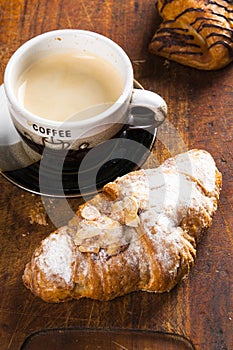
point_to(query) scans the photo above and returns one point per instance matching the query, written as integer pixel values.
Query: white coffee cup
(38, 131)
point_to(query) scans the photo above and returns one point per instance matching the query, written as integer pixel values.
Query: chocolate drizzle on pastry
(195, 33)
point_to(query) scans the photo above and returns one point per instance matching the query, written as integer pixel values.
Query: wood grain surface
(200, 116)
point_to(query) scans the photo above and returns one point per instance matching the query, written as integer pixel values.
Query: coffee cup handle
(148, 110)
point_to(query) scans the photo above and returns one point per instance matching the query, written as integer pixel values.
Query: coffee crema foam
(69, 86)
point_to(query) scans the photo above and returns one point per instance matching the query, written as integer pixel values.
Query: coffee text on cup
(52, 132)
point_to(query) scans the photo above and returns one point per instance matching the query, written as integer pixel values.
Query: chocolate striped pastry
(196, 33)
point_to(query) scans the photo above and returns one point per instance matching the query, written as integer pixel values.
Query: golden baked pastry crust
(196, 33)
(140, 233)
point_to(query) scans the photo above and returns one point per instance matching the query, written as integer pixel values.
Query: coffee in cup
(72, 90)
(69, 86)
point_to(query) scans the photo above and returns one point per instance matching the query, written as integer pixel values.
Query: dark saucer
(55, 177)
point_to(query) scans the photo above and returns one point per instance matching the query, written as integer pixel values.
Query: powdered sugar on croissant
(139, 233)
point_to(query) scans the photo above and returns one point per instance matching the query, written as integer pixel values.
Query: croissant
(196, 33)
(139, 233)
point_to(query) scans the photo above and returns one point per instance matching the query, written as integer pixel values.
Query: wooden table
(200, 116)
